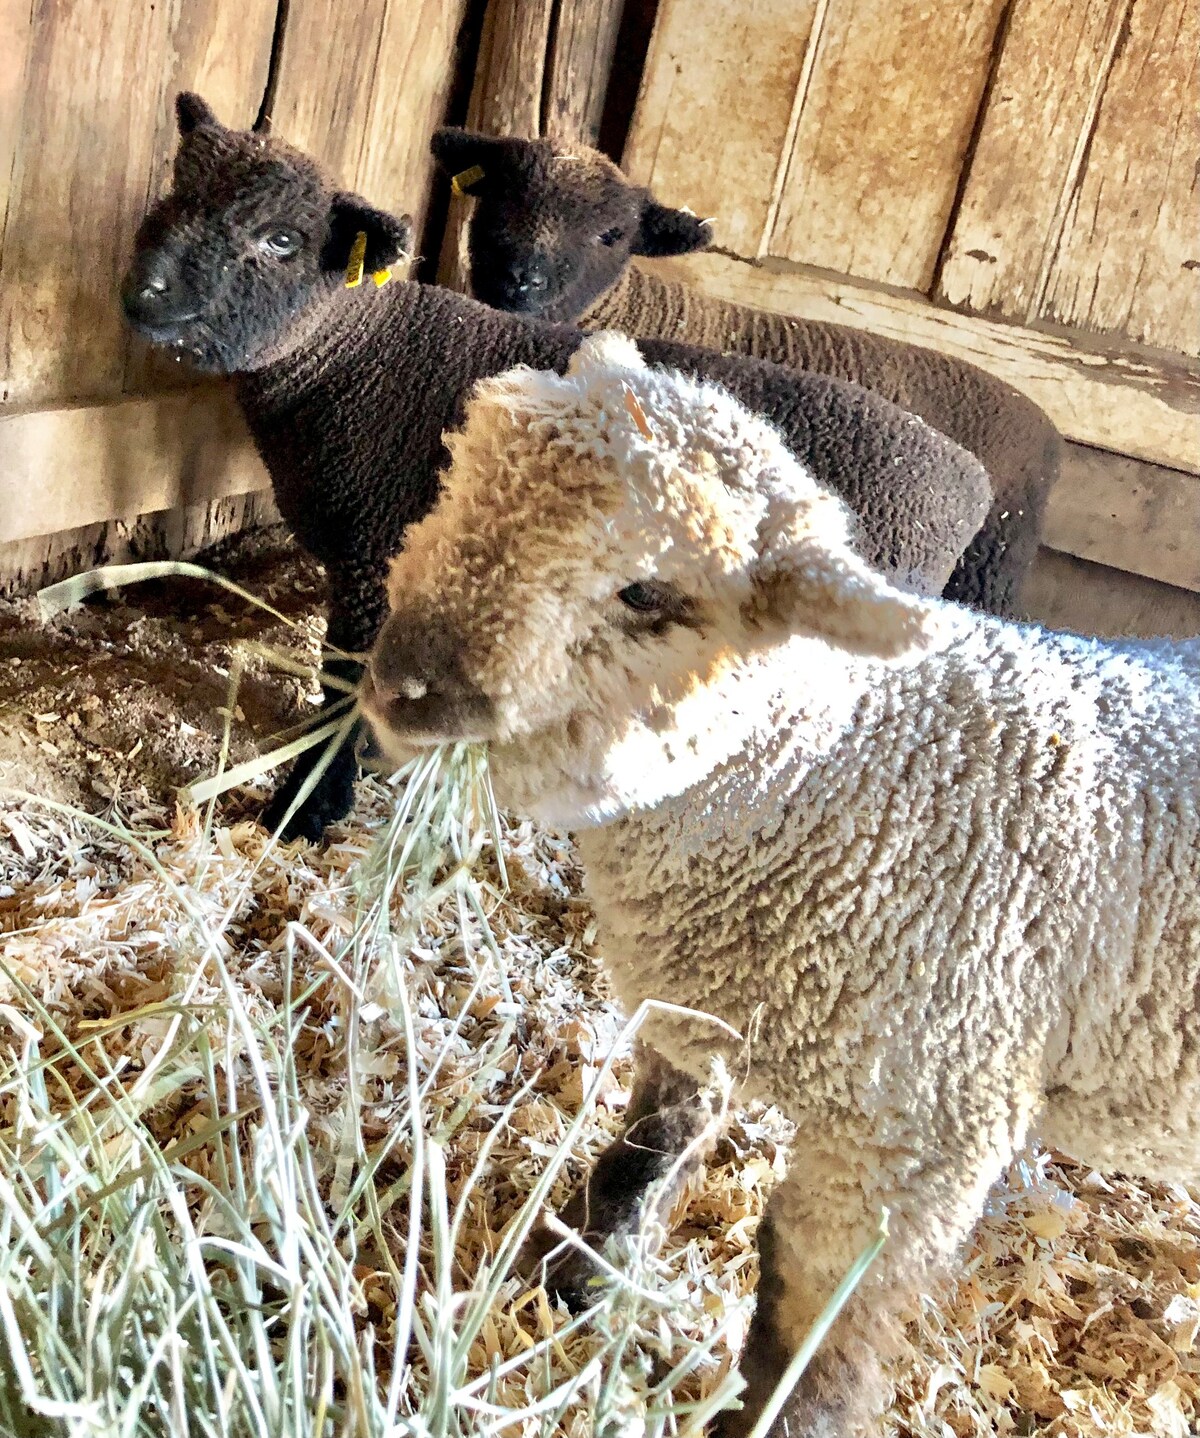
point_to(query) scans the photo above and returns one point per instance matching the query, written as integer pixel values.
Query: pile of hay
(187, 1010)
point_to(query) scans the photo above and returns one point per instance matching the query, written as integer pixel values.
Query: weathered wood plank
(1080, 202)
(1111, 395)
(27, 564)
(715, 114)
(880, 135)
(411, 85)
(1068, 593)
(361, 87)
(78, 186)
(1127, 514)
(1132, 229)
(581, 61)
(88, 464)
(326, 71)
(92, 85)
(16, 34)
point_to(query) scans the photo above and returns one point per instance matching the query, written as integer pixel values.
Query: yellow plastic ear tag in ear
(358, 253)
(381, 278)
(464, 178)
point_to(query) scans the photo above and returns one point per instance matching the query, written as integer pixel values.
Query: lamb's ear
(809, 581)
(387, 236)
(664, 231)
(194, 113)
(468, 157)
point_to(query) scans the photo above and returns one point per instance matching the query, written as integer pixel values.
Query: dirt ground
(122, 699)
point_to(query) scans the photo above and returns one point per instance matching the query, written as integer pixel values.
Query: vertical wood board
(361, 87)
(881, 132)
(715, 109)
(581, 61)
(95, 129)
(1081, 202)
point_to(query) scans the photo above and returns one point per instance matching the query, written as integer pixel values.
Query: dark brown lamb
(241, 268)
(553, 234)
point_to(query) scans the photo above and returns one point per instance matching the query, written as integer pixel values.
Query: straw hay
(1079, 1310)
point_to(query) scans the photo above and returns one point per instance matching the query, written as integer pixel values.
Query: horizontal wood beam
(1144, 403)
(1127, 514)
(62, 469)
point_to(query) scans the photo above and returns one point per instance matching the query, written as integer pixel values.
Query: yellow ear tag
(459, 182)
(358, 253)
(381, 278)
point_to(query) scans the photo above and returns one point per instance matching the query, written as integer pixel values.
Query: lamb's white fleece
(947, 893)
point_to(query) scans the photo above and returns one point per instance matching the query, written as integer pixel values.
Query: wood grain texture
(95, 128)
(79, 175)
(16, 33)
(1127, 514)
(1068, 593)
(581, 60)
(1080, 204)
(361, 86)
(88, 464)
(715, 112)
(413, 76)
(1114, 396)
(881, 132)
(28, 564)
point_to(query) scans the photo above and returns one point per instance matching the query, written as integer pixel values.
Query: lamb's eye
(645, 598)
(280, 243)
(610, 237)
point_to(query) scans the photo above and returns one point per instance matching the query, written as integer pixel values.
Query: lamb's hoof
(560, 1268)
(312, 818)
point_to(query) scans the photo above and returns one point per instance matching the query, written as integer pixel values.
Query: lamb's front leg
(669, 1127)
(356, 614)
(819, 1219)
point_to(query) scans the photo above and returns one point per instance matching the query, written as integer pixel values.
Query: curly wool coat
(942, 871)
(348, 391)
(553, 233)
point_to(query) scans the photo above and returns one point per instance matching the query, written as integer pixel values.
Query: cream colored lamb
(940, 870)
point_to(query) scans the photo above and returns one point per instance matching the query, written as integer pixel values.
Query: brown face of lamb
(613, 554)
(250, 241)
(554, 228)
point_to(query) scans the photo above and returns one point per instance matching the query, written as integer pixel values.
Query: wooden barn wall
(1011, 181)
(93, 432)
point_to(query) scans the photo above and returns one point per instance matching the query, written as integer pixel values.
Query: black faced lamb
(243, 268)
(553, 233)
(939, 869)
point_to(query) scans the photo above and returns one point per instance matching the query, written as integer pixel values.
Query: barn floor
(1079, 1313)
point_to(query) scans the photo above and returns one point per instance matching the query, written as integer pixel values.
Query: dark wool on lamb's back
(351, 431)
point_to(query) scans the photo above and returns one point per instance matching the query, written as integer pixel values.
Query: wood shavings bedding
(1079, 1310)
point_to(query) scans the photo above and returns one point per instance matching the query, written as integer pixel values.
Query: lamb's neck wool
(1008, 433)
(979, 896)
(349, 417)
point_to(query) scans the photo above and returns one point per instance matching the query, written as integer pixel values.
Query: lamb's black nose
(525, 282)
(154, 294)
(529, 276)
